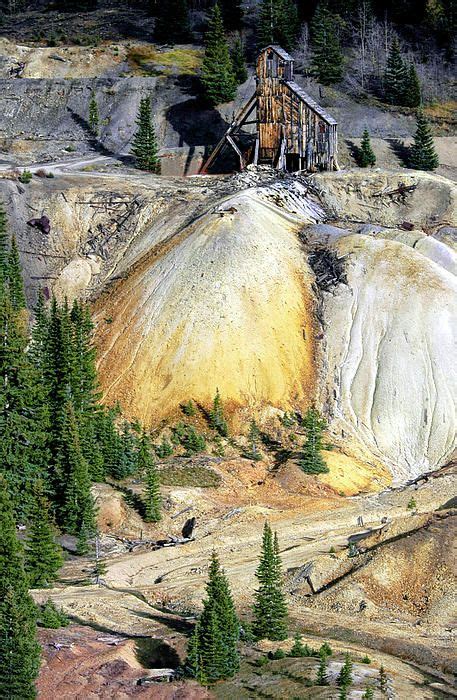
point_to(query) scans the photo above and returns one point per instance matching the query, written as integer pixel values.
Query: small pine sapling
(345, 676)
(216, 416)
(367, 157)
(321, 677)
(94, 119)
(382, 680)
(51, 617)
(326, 649)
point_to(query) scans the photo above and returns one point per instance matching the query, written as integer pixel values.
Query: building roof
(280, 51)
(312, 104)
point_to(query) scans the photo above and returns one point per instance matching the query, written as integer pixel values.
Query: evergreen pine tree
(78, 511)
(252, 452)
(298, 648)
(19, 649)
(144, 146)
(39, 335)
(51, 617)
(94, 118)
(23, 417)
(311, 460)
(278, 23)
(43, 556)
(321, 678)
(232, 14)
(15, 281)
(218, 77)
(345, 676)
(368, 694)
(270, 609)
(85, 390)
(327, 58)
(216, 416)
(4, 245)
(423, 155)
(367, 156)
(172, 23)
(213, 648)
(412, 96)
(395, 76)
(147, 466)
(382, 680)
(239, 63)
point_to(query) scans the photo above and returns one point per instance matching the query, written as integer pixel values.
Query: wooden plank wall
(307, 135)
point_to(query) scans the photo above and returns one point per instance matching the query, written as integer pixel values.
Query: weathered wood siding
(283, 114)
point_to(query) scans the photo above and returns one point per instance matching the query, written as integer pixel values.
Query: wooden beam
(237, 123)
(237, 150)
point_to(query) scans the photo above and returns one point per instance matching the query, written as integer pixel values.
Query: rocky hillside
(213, 284)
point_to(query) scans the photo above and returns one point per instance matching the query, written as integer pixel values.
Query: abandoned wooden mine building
(293, 131)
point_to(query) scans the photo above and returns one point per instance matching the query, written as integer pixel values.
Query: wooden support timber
(293, 131)
(227, 138)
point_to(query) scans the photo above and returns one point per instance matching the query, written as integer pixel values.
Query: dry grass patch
(147, 60)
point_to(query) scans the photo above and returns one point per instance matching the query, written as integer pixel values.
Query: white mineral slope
(390, 354)
(227, 304)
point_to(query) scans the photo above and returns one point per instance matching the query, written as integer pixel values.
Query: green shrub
(188, 408)
(299, 649)
(277, 654)
(49, 174)
(165, 449)
(261, 661)
(366, 659)
(186, 436)
(288, 419)
(412, 505)
(326, 649)
(25, 177)
(51, 617)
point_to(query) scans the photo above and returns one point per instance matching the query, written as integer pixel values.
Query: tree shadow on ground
(354, 151)
(399, 148)
(96, 143)
(280, 453)
(154, 653)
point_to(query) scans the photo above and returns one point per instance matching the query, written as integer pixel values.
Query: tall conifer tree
(144, 146)
(270, 608)
(218, 77)
(4, 244)
(19, 649)
(23, 416)
(43, 555)
(15, 281)
(395, 76)
(213, 649)
(78, 510)
(147, 466)
(239, 63)
(327, 58)
(423, 155)
(412, 96)
(311, 459)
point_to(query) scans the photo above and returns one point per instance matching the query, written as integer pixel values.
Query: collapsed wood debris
(328, 268)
